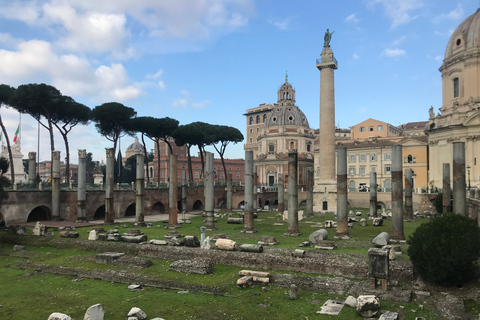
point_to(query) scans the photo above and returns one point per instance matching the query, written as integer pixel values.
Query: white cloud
(394, 52)
(352, 18)
(455, 14)
(355, 56)
(25, 12)
(281, 24)
(161, 84)
(399, 41)
(155, 75)
(400, 12)
(186, 101)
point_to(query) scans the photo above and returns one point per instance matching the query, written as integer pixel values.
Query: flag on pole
(16, 134)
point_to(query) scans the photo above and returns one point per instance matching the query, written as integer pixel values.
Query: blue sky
(210, 60)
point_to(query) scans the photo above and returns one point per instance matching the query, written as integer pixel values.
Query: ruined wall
(421, 201)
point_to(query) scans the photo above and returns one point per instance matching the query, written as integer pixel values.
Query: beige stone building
(272, 130)
(372, 128)
(459, 116)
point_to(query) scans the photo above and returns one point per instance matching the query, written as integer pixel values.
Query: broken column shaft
(184, 190)
(408, 194)
(32, 168)
(397, 193)
(373, 194)
(209, 193)
(109, 187)
(342, 196)
(281, 193)
(309, 208)
(229, 193)
(459, 183)
(82, 186)
(56, 185)
(248, 213)
(173, 193)
(140, 190)
(447, 191)
(292, 229)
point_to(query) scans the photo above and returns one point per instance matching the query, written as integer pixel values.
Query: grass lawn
(27, 294)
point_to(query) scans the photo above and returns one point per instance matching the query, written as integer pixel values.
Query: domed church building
(285, 127)
(459, 116)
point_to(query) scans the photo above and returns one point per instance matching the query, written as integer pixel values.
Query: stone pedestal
(56, 185)
(82, 186)
(140, 190)
(109, 187)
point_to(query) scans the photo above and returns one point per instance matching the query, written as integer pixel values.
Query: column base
(293, 234)
(249, 231)
(173, 226)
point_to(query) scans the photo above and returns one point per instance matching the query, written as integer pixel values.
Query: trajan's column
(325, 190)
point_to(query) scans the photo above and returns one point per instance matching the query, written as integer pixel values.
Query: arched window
(288, 96)
(292, 145)
(351, 186)
(456, 88)
(251, 120)
(264, 118)
(258, 119)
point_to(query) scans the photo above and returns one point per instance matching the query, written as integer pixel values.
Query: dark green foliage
(4, 181)
(445, 250)
(438, 203)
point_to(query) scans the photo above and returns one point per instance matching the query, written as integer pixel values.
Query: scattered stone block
(330, 224)
(134, 239)
(135, 287)
(114, 237)
(138, 313)
(382, 239)
(351, 302)
(95, 312)
(226, 244)
(175, 242)
(217, 236)
(389, 316)
(245, 281)
(98, 229)
(69, 234)
(258, 248)
(318, 235)
(39, 229)
(260, 274)
(377, 222)
(197, 266)
(326, 245)
(191, 241)
(92, 235)
(173, 234)
(285, 215)
(18, 247)
(378, 263)
(268, 240)
(293, 292)
(298, 253)
(304, 244)
(235, 220)
(59, 316)
(363, 222)
(102, 237)
(368, 306)
(134, 232)
(158, 318)
(331, 307)
(20, 230)
(206, 244)
(108, 257)
(113, 231)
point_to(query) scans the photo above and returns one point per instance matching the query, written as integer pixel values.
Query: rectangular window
(387, 170)
(362, 158)
(196, 175)
(373, 157)
(222, 175)
(370, 129)
(362, 171)
(352, 158)
(456, 88)
(387, 156)
(238, 175)
(373, 169)
(362, 129)
(379, 128)
(251, 130)
(351, 171)
(271, 148)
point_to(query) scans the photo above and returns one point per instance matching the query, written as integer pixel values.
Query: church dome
(466, 37)
(135, 148)
(286, 116)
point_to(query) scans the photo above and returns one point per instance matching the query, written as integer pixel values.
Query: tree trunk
(52, 145)
(146, 158)
(10, 156)
(190, 170)
(157, 144)
(201, 159)
(67, 164)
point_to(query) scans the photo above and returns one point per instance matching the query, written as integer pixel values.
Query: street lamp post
(468, 171)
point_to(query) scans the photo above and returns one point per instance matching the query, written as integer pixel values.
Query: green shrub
(438, 203)
(445, 250)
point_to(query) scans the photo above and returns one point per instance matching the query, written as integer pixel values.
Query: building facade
(281, 127)
(459, 116)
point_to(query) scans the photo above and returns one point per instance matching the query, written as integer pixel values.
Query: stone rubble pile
(96, 312)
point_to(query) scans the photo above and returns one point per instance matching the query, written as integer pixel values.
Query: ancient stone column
(229, 193)
(447, 191)
(342, 195)
(309, 208)
(82, 186)
(209, 193)
(248, 213)
(459, 183)
(292, 229)
(408, 194)
(32, 168)
(184, 190)
(140, 190)
(397, 193)
(327, 183)
(56, 185)
(173, 193)
(109, 187)
(373, 194)
(255, 194)
(281, 194)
